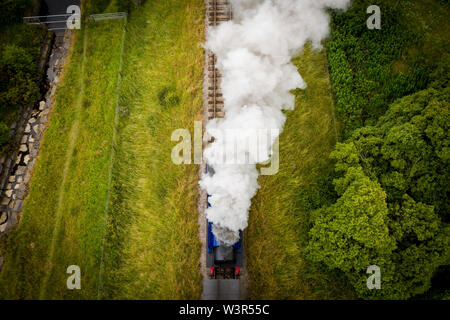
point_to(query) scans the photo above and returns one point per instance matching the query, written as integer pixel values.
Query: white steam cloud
(254, 53)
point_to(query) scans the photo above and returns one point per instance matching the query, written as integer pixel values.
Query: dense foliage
(391, 205)
(370, 69)
(12, 11)
(19, 52)
(392, 179)
(18, 75)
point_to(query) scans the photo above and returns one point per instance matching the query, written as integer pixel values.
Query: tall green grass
(152, 249)
(151, 246)
(63, 218)
(279, 216)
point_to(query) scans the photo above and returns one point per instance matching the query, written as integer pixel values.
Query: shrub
(18, 74)
(370, 69)
(5, 134)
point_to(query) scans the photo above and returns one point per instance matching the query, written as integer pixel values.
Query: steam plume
(254, 53)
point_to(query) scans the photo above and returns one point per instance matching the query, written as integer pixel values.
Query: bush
(18, 74)
(370, 69)
(5, 134)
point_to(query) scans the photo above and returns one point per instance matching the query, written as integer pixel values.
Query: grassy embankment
(63, 219)
(278, 226)
(152, 247)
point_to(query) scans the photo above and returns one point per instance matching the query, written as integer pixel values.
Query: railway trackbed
(217, 11)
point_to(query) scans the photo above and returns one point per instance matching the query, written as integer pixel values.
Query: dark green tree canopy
(18, 75)
(392, 182)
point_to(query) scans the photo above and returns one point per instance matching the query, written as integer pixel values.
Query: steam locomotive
(224, 262)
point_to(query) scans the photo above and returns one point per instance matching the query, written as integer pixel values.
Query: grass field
(146, 246)
(278, 225)
(63, 219)
(152, 247)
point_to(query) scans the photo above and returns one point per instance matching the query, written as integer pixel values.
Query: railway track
(217, 11)
(223, 286)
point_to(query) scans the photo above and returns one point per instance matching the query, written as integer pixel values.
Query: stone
(52, 92)
(43, 119)
(27, 128)
(42, 105)
(8, 193)
(12, 178)
(45, 112)
(5, 201)
(24, 138)
(21, 170)
(3, 216)
(31, 164)
(26, 159)
(18, 205)
(23, 148)
(17, 186)
(19, 179)
(34, 152)
(37, 128)
(31, 139)
(20, 193)
(32, 120)
(27, 177)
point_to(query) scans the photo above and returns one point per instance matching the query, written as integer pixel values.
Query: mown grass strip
(77, 230)
(72, 137)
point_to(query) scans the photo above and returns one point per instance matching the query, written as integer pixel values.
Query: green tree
(352, 233)
(18, 74)
(392, 183)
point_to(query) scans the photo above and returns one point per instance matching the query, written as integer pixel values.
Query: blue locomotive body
(223, 261)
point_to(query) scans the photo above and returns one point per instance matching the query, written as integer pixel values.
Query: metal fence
(108, 16)
(52, 22)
